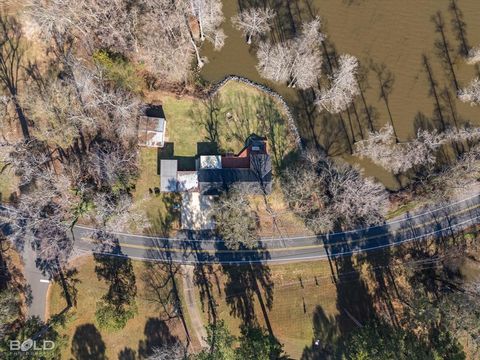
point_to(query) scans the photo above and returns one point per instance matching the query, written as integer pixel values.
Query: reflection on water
(389, 34)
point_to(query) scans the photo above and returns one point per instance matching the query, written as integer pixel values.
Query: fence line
(266, 90)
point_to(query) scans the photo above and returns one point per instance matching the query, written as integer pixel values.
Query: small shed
(152, 127)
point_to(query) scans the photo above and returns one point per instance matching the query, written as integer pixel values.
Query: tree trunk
(21, 118)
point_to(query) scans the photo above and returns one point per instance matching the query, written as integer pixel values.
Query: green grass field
(148, 328)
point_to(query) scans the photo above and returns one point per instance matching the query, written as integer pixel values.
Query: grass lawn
(183, 128)
(237, 111)
(286, 223)
(298, 291)
(8, 184)
(229, 118)
(402, 209)
(150, 327)
(160, 207)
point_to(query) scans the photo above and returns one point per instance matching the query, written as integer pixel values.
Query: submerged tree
(473, 55)
(295, 61)
(253, 22)
(383, 150)
(209, 16)
(471, 93)
(344, 86)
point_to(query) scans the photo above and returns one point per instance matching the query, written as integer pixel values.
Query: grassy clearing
(402, 209)
(183, 128)
(286, 223)
(297, 292)
(8, 184)
(148, 328)
(160, 207)
(237, 111)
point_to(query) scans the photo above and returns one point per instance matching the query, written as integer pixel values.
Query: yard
(150, 327)
(227, 120)
(8, 184)
(298, 299)
(162, 209)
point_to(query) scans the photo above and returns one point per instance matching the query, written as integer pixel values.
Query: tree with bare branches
(235, 219)
(471, 93)
(383, 150)
(11, 57)
(473, 56)
(253, 22)
(169, 54)
(296, 61)
(344, 87)
(209, 16)
(174, 351)
(328, 194)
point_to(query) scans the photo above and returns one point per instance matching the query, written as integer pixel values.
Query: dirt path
(192, 308)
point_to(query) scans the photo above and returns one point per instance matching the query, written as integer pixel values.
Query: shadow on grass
(87, 343)
(163, 222)
(157, 334)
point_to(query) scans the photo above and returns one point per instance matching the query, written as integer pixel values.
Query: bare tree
(174, 351)
(297, 61)
(11, 57)
(110, 164)
(209, 17)
(55, 111)
(383, 150)
(169, 54)
(459, 178)
(119, 213)
(473, 55)
(42, 217)
(344, 86)
(109, 24)
(235, 219)
(471, 93)
(158, 33)
(329, 194)
(253, 22)
(274, 61)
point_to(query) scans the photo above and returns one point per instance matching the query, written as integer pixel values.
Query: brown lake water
(393, 34)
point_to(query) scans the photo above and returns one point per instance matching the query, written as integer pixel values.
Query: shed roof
(151, 131)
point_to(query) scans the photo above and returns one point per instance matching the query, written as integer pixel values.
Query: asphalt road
(38, 284)
(191, 247)
(194, 248)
